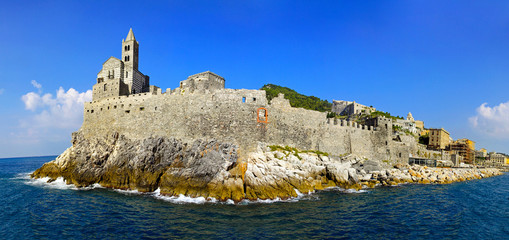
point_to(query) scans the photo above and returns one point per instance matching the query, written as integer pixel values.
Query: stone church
(121, 77)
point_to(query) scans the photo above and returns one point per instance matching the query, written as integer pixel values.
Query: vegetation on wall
(424, 139)
(296, 99)
(384, 114)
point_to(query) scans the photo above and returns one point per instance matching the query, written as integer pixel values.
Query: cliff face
(208, 168)
(205, 168)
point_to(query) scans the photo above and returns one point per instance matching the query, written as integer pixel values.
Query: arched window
(128, 47)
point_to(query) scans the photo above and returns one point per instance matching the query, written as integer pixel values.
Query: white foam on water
(24, 176)
(355, 191)
(59, 183)
(128, 191)
(346, 190)
(182, 199)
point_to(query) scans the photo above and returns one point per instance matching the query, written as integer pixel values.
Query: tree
(296, 99)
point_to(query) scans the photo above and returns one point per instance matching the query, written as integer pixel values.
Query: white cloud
(493, 121)
(63, 111)
(36, 84)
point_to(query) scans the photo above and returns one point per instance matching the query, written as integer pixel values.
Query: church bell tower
(130, 58)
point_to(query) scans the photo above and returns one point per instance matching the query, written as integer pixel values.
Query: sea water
(34, 209)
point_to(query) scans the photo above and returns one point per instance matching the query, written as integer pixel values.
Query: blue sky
(444, 61)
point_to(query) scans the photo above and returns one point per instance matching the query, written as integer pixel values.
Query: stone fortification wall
(234, 116)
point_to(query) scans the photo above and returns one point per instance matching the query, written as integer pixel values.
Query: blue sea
(30, 209)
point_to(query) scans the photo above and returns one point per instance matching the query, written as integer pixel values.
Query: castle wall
(231, 115)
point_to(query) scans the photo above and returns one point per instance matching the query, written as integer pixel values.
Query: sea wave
(58, 183)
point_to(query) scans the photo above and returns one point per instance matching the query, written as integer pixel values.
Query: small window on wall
(105, 88)
(243, 99)
(128, 47)
(126, 74)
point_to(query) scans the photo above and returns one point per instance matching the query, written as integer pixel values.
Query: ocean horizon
(475, 209)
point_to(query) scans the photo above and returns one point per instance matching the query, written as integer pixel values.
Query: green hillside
(297, 99)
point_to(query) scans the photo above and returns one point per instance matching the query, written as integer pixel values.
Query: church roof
(130, 35)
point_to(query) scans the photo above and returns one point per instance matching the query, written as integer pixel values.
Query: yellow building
(438, 138)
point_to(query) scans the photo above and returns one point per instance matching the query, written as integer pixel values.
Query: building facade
(439, 138)
(465, 148)
(496, 159)
(346, 108)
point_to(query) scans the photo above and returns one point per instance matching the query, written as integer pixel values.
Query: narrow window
(126, 74)
(262, 115)
(243, 99)
(128, 47)
(105, 87)
(254, 99)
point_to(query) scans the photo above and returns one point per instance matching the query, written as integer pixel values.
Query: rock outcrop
(213, 169)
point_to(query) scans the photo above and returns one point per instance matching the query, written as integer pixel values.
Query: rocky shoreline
(213, 169)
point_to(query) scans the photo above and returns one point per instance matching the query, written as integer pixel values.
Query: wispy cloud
(36, 84)
(493, 121)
